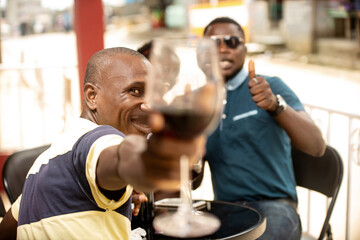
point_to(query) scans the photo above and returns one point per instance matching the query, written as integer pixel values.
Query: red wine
(185, 123)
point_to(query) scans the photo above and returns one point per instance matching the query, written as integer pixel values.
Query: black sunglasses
(230, 41)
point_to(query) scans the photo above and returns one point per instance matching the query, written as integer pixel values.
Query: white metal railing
(35, 102)
(342, 131)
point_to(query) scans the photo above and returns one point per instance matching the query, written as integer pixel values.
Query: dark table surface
(237, 221)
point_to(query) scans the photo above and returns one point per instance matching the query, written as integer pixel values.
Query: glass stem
(185, 188)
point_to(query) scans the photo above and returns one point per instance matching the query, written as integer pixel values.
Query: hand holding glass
(186, 86)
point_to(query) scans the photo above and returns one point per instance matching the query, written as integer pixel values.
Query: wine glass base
(176, 224)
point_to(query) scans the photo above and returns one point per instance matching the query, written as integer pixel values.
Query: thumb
(252, 73)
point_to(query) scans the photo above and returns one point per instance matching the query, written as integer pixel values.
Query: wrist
(280, 106)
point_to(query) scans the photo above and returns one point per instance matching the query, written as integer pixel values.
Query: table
(237, 222)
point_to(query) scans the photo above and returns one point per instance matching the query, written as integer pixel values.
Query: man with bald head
(82, 185)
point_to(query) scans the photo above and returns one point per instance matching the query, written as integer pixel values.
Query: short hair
(101, 59)
(224, 20)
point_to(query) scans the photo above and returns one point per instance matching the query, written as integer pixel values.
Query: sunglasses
(230, 41)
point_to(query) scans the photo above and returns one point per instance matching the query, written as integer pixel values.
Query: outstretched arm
(147, 165)
(301, 129)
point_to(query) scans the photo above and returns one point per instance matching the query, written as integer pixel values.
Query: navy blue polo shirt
(249, 154)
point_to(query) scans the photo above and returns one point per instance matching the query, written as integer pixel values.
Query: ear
(90, 95)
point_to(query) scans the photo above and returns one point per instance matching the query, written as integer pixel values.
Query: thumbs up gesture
(260, 90)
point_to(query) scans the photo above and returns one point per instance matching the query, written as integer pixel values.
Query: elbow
(320, 149)
(315, 149)
(320, 152)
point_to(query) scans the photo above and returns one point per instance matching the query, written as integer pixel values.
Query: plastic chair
(16, 168)
(321, 174)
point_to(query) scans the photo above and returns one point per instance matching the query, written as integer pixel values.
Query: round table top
(237, 221)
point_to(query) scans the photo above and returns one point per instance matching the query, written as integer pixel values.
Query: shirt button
(223, 116)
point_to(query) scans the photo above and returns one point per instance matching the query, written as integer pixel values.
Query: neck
(229, 77)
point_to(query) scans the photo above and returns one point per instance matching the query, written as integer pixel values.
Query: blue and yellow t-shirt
(61, 199)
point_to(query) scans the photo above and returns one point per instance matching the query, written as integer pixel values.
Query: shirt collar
(236, 81)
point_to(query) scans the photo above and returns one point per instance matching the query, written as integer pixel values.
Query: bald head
(114, 90)
(101, 60)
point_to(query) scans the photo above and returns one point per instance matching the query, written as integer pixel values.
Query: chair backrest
(322, 174)
(15, 169)
(2, 209)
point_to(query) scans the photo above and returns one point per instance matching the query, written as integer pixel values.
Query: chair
(15, 169)
(321, 174)
(2, 209)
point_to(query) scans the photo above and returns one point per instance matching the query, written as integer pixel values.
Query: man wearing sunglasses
(249, 154)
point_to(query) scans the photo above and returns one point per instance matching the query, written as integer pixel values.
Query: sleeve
(279, 87)
(98, 146)
(86, 153)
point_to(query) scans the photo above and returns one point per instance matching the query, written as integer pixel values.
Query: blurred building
(327, 31)
(320, 31)
(29, 16)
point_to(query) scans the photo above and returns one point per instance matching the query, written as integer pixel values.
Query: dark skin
(116, 98)
(301, 129)
(119, 102)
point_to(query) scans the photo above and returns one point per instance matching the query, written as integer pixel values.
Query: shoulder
(277, 85)
(101, 131)
(105, 130)
(98, 133)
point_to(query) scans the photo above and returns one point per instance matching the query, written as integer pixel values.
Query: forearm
(303, 132)
(147, 165)
(134, 162)
(107, 175)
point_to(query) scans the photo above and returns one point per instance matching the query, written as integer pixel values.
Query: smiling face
(231, 59)
(116, 99)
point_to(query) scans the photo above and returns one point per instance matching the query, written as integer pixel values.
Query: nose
(223, 47)
(145, 107)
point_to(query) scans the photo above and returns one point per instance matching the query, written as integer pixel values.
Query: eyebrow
(135, 84)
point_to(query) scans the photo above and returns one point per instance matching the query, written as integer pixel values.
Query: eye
(136, 91)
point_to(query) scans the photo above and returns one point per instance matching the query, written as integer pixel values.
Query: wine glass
(186, 86)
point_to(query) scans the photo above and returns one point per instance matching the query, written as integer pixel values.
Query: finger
(136, 209)
(157, 122)
(252, 73)
(137, 199)
(265, 103)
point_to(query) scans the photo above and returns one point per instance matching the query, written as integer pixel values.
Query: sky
(62, 4)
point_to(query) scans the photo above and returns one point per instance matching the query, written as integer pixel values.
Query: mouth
(141, 123)
(225, 64)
